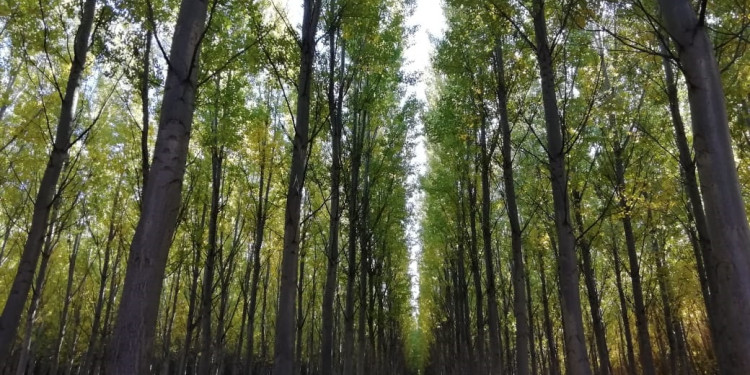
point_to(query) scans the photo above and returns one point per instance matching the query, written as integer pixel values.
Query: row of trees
(232, 199)
(559, 148)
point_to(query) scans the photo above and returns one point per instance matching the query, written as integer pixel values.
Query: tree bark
(136, 321)
(576, 358)
(624, 311)
(46, 196)
(641, 318)
(727, 221)
(217, 161)
(518, 269)
(492, 314)
(285, 332)
(335, 106)
(605, 366)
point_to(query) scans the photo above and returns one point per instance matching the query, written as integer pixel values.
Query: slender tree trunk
(518, 269)
(641, 319)
(136, 319)
(356, 153)
(145, 79)
(217, 161)
(477, 276)
(88, 363)
(364, 260)
(492, 314)
(36, 297)
(690, 181)
(284, 346)
(624, 311)
(335, 105)
(554, 359)
(727, 221)
(57, 348)
(19, 290)
(605, 367)
(576, 358)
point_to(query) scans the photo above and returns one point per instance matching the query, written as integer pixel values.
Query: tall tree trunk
(144, 89)
(476, 275)
(576, 358)
(623, 310)
(605, 367)
(356, 154)
(364, 258)
(492, 314)
(136, 319)
(88, 363)
(518, 269)
(284, 346)
(554, 359)
(36, 296)
(217, 161)
(57, 348)
(261, 215)
(19, 290)
(335, 106)
(697, 214)
(727, 221)
(641, 318)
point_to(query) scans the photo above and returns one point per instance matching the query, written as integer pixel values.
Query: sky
(430, 21)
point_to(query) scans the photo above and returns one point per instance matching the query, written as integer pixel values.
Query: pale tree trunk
(727, 221)
(136, 319)
(576, 358)
(285, 332)
(518, 269)
(697, 214)
(19, 290)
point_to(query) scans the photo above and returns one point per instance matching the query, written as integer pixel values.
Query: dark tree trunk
(144, 89)
(351, 272)
(554, 359)
(217, 161)
(136, 319)
(57, 348)
(605, 366)
(285, 333)
(576, 358)
(641, 316)
(518, 269)
(335, 106)
(624, 311)
(88, 363)
(477, 276)
(19, 290)
(493, 320)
